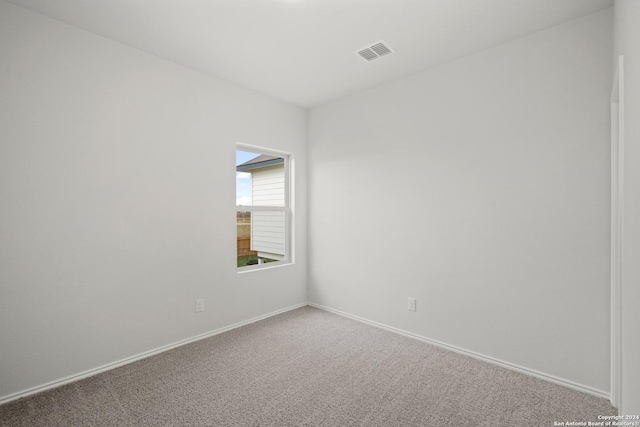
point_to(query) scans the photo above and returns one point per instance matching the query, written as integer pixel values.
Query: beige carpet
(307, 367)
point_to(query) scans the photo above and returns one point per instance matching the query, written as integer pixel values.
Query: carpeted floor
(307, 367)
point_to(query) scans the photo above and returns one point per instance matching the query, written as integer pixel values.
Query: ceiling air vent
(374, 51)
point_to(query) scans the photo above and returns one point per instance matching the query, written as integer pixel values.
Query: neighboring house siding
(268, 234)
(268, 186)
(268, 228)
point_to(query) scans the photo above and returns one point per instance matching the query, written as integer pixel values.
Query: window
(263, 214)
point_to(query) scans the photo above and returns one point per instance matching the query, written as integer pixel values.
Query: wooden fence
(244, 247)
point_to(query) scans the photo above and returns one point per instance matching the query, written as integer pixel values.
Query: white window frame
(287, 208)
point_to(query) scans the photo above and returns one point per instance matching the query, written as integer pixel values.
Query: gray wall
(480, 188)
(627, 43)
(117, 201)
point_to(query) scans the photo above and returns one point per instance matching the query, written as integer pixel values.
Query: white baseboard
(126, 361)
(488, 359)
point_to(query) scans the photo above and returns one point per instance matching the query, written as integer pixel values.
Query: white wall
(117, 201)
(481, 188)
(627, 43)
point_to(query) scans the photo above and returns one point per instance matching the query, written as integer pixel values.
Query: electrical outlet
(411, 304)
(199, 305)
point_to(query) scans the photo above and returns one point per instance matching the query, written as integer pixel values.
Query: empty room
(436, 217)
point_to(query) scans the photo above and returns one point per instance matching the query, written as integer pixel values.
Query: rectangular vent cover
(374, 51)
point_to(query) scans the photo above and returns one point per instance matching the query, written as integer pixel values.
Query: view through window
(262, 207)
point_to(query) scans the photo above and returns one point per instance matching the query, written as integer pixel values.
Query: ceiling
(302, 51)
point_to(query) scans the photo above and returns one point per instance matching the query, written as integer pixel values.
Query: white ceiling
(301, 51)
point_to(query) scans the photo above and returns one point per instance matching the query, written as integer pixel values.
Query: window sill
(267, 266)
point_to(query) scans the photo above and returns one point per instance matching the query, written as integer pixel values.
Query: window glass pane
(260, 179)
(261, 237)
(262, 208)
(243, 179)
